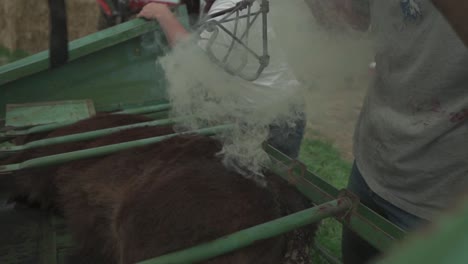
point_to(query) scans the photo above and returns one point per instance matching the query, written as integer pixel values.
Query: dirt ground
(332, 112)
(339, 119)
(333, 65)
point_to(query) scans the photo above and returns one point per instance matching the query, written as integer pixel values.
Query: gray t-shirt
(411, 140)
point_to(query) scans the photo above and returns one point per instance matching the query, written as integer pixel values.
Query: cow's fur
(36, 186)
(148, 201)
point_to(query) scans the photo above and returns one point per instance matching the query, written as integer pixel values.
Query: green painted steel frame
(366, 223)
(83, 136)
(116, 68)
(101, 151)
(147, 110)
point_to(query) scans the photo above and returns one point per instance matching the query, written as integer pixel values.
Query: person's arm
(456, 12)
(339, 13)
(172, 28)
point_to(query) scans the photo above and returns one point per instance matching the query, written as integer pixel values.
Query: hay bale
(27, 23)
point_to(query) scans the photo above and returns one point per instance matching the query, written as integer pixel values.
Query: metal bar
(58, 33)
(239, 41)
(243, 16)
(236, 24)
(265, 6)
(369, 225)
(36, 129)
(146, 109)
(50, 127)
(84, 136)
(246, 35)
(78, 48)
(239, 6)
(245, 55)
(249, 236)
(100, 151)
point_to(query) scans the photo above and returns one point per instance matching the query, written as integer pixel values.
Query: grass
(325, 161)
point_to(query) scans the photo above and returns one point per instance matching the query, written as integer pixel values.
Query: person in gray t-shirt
(410, 143)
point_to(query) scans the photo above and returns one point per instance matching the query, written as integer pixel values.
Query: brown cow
(144, 202)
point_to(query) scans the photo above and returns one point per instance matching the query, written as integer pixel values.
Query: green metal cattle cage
(115, 70)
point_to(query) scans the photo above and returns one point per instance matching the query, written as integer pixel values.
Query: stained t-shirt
(411, 140)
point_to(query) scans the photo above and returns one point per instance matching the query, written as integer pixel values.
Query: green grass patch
(325, 161)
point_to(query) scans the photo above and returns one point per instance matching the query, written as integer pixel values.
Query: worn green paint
(146, 109)
(116, 68)
(249, 236)
(100, 151)
(84, 136)
(110, 78)
(27, 115)
(368, 224)
(78, 48)
(112, 68)
(49, 127)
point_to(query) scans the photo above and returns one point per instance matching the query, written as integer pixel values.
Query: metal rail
(84, 136)
(100, 151)
(213, 25)
(369, 225)
(50, 127)
(251, 235)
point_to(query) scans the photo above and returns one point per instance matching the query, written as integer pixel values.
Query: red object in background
(133, 5)
(105, 7)
(114, 12)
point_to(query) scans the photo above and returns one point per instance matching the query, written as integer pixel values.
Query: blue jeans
(288, 139)
(355, 250)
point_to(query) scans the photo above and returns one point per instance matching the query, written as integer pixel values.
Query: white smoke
(200, 88)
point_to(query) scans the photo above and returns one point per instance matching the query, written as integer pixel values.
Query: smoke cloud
(205, 91)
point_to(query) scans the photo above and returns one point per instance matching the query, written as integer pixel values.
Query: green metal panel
(27, 115)
(122, 74)
(152, 111)
(114, 67)
(368, 224)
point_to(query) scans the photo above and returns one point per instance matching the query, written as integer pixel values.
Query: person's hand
(154, 11)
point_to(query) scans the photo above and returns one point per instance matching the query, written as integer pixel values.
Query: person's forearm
(172, 28)
(456, 12)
